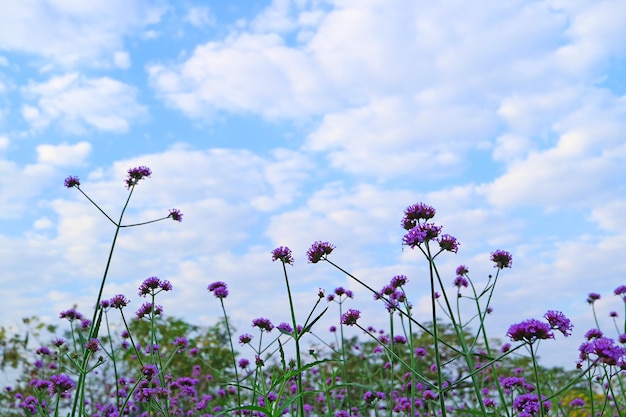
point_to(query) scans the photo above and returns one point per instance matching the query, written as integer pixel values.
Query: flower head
(460, 281)
(119, 301)
(282, 253)
(263, 324)
(176, 215)
(136, 174)
(593, 297)
(416, 212)
(146, 309)
(559, 322)
(350, 317)
(621, 290)
(448, 243)
(93, 345)
(72, 182)
(461, 270)
(285, 328)
(502, 259)
(153, 285)
(219, 289)
(245, 338)
(530, 330)
(318, 251)
(61, 384)
(421, 233)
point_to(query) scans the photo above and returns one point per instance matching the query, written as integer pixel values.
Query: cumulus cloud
(71, 33)
(78, 104)
(64, 154)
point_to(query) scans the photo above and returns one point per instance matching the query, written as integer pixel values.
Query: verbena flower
(219, 289)
(502, 259)
(136, 174)
(529, 403)
(181, 343)
(593, 297)
(282, 253)
(285, 327)
(61, 384)
(146, 310)
(93, 345)
(119, 301)
(263, 324)
(559, 322)
(416, 212)
(176, 215)
(461, 270)
(152, 284)
(350, 317)
(71, 315)
(421, 233)
(448, 243)
(577, 402)
(593, 334)
(529, 331)
(243, 363)
(460, 281)
(245, 338)
(318, 251)
(604, 349)
(149, 371)
(72, 182)
(399, 281)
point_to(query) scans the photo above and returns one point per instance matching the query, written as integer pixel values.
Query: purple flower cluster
(153, 285)
(529, 331)
(176, 215)
(593, 297)
(147, 309)
(421, 233)
(219, 289)
(448, 243)
(318, 251)
(72, 182)
(136, 174)
(61, 384)
(413, 214)
(263, 324)
(559, 322)
(283, 254)
(460, 281)
(502, 259)
(528, 405)
(605, 350)
(350, 317)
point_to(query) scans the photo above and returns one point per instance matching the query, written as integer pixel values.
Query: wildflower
(529, 403)
(461, 270)
(147, 309)
(399, 281)
(505, 347)
(460, 281)
(71, 315)
(72, 182)
(181, 343)
(193, 352)
(176, 215)
(285, 328)
(243, 363)
(332, 329)
(263, 324)
(61, 384)
(529, 331)
(449, 243)
(149, 371)
(152, 284)
(577, 402)
(421, 233)
(219, 289)
(559, 322)
(613, 314)
(400, 340)
(502, 259)
(350, 317)
(339, 291)
(593, 297)
(93, 345)
(136, 174)
(416, 212)
(621, 290)
(119, 301)
(604, 349)
(318, 251)
(258, 361)
(43, 351)
(429, 395)
(58, 342)
(282, 253)
(245, 338)
(420, 352)
(593, 334)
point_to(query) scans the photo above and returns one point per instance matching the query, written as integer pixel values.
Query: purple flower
(152, 284)
(119, 301)
(399, 281)
(529, 403)
(502, 259)
(176, 215)
(72, 182)
(577, 402)
(61, 384)
(181, 343)
(285, 328)
(613, 314)
(136, 174)
(146, 310)
(245, 338)
(530, 330)
(621, 290)
(243, 363)
(399, 339)
(449, 243)
(416, 212)
(282, 253)
(318, 251)
(559, 322)
(461, 270)
(350, 317)
(460, 281)
(420, 352)
(219, 289)
(593, 297)
(149, 371)
(604, 349)
(421, 233)
(593, 334)
(263, 324)
(71, 315)
(93, 345)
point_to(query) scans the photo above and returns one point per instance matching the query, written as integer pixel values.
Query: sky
(281, 123)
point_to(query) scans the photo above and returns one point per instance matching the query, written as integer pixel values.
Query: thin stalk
(232, 350)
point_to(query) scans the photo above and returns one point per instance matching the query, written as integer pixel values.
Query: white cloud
(64, 155)
(70, 33)
(78, 103)
(4, 143)
(200, 17)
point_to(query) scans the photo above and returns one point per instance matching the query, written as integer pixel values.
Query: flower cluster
(502, 259)
(318, 251)
(350, 317)
(72, 182)
(529, 331)
(134, 175)
(154, 285)
(263, 324)
(219, 289)
(283, 254)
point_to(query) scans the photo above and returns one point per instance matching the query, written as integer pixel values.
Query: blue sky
(283, 122)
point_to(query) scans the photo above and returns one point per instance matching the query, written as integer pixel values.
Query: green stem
(232, 349)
